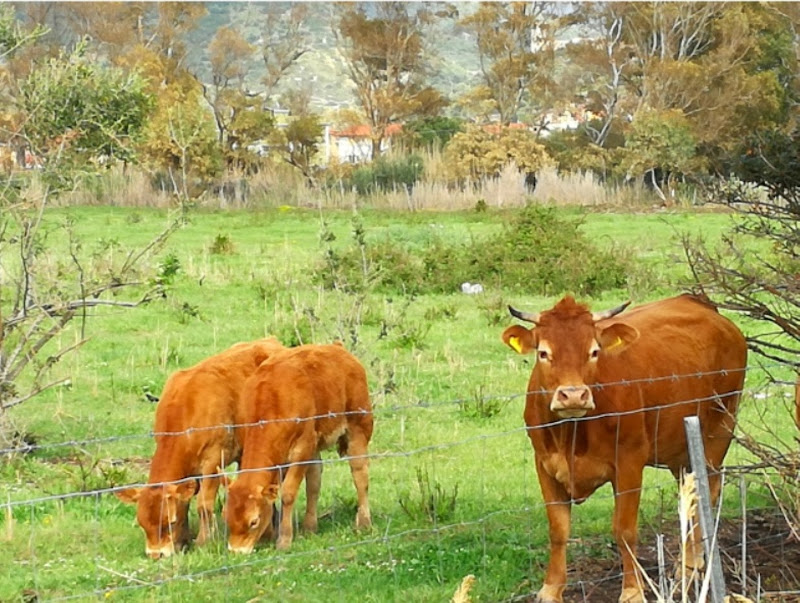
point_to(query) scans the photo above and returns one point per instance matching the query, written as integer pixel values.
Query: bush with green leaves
(540, 252)
(431, 132)
(76, 108)
(387, 174)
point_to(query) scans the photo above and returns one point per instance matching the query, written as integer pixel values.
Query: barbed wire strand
(457, 402)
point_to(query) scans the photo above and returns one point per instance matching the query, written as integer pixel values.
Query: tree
(660, 144)
(13, 39)
(715, 62)
(175, 20)
(755, 272)
(114, 28)
(599, 69)
(516, 50)
(431, 132)
(300, 144)
(385, 57)
(284, 41)
(79, 111)
(73, 110)
(239, 115)
(181, 140)
(480, 152)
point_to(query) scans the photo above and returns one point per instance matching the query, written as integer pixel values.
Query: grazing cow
(299, 402)
(194, 437)
(608, 396)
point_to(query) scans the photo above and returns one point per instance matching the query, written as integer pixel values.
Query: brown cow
(299, 402)
(608, 396)
(193, 438)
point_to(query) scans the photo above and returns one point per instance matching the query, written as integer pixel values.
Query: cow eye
(254, 523)
(544, 355)
(594, 353)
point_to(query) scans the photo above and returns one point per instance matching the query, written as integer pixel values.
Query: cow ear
(129, 495)
(184, 490)
(519, 339)
(272, 493)
(616, 337)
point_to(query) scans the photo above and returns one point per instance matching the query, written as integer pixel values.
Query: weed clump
(435, 503)
(221, 245)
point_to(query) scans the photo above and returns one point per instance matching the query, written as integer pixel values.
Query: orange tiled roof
(365, 131)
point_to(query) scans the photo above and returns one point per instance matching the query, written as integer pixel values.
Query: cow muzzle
(572, 401)
(240, 549)
(164, 552)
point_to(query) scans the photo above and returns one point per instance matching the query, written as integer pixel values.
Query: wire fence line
(392, 409)
(229, 563)
(132, 582)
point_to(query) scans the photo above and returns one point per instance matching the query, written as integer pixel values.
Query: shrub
(435, 503)
(387, 174)
(539, 252)
(221, 245)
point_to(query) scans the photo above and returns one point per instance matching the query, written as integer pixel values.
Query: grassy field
(453, 489)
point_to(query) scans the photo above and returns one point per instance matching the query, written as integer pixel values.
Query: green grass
(431, 362)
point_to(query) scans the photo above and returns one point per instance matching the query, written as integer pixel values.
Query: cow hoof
(283, 544)
(549, 594)
(202, 538)
(631, 595)
(310, 526)
(363, 521)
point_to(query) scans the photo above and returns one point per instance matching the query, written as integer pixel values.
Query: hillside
(453, 60)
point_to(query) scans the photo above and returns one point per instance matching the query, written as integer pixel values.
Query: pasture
(453, 488)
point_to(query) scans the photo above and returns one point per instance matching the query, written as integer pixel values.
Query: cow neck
(566, 436)
(170, 460)
(255, 457)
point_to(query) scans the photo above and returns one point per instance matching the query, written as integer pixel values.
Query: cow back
(199, 404)
(321, 387)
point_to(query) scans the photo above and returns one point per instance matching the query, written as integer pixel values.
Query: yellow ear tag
(514, 343)
(617, 343)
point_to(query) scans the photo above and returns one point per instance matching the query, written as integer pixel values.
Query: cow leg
(291, 484)
(206, 498)
(627, 492)
(359, 468)
(559, 513)
(313, 485)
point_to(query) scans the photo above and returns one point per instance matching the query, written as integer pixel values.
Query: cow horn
(609, 313)
(534, 318)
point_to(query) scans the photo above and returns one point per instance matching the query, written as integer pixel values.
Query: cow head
(568, 341)
(248, 513)
(162, 512)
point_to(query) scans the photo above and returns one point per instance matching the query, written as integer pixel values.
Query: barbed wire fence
(521, 511)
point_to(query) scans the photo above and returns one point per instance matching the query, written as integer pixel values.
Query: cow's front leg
(206, 498)
(627, 493)
(559, 513)
(313, 486)
(291, 484)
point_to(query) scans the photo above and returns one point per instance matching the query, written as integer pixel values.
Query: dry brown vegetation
(277, 185)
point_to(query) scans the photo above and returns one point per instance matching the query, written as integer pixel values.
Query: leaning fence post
(697, 456)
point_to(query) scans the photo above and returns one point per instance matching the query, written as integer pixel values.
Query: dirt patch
(771, 555)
